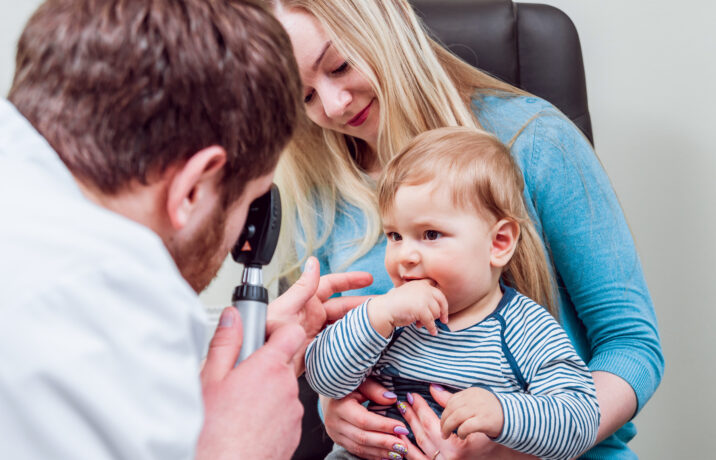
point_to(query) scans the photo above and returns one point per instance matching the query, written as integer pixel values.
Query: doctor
(134, 137)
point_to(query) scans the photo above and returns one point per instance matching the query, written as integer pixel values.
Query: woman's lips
(360, 118)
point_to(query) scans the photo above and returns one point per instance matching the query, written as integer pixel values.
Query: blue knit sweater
(604, 303)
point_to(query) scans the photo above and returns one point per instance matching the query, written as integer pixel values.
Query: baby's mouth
(407, 279)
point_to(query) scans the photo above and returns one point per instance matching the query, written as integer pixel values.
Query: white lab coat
(100, 337)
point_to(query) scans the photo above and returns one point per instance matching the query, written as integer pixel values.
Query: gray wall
(651, 67)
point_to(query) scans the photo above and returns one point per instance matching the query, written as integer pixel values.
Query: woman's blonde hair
(419, 86)
(481, 175)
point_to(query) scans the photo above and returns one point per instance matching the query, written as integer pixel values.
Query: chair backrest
(532, 46)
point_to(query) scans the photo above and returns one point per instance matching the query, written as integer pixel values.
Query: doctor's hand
(253, 410)
(308, 302)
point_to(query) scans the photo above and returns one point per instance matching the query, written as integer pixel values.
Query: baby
(466, 263)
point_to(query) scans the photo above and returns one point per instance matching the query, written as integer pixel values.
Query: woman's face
(337, 97)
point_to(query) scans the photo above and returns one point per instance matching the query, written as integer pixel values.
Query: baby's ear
(505, 234)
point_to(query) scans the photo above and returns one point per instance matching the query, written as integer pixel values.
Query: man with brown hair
(135, 136)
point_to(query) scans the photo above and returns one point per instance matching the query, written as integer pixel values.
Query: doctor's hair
(124, 89)
(419, 85)
(482, 176)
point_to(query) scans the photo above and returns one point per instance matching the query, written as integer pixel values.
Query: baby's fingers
(451, 420)
(443, 308)
(469, 426)
(427, 319)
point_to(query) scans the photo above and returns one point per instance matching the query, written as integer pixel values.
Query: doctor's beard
(200, 259)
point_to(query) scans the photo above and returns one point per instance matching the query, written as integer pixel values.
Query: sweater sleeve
(593, 252)
(342, 355)
(558, 416)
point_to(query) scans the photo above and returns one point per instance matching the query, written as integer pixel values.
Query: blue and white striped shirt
(519, 352)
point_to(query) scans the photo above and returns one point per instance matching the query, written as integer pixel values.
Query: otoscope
(254, 249)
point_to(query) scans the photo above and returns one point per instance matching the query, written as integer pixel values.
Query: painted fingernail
(390, 394)
(402, 407)
(401, 430)
(227, 319)
(401, 449)
(394, 456)
(410, 399)
(437, 386)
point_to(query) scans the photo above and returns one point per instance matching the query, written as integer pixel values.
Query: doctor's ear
(194, 186)
(505, 234)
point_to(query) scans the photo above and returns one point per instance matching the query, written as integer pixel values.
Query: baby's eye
(432, 234)
(393, 236)
(340, 69)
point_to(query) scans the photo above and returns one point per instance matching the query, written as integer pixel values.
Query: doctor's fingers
(282, 346)
(295, 297)
(334, 283)
(337, 307)
(224, 347)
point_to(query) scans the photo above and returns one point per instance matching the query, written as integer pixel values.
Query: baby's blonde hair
(419, 86)
(482, 176)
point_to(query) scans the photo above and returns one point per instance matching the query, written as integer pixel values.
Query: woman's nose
(336, 101)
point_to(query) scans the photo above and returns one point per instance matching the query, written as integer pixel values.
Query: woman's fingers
(366, 443)
(376, 392)
(414, 452)
(439, 394)
(361, 432)
(423, 421)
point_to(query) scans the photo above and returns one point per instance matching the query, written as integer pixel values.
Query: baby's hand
(414, 302)
(474, 410)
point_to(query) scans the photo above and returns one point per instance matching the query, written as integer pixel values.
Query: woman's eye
(308, 97)
(340, 69)
(392, 236)
(432, 235)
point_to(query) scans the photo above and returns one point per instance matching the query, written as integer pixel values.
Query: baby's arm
(340, 358)
(342, 355)
(557, 417)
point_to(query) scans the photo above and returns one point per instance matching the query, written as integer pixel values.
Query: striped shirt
(519, 353)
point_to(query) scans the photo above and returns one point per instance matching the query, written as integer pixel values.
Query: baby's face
(430, 238)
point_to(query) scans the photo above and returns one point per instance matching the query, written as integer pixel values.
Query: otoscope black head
(259, 237)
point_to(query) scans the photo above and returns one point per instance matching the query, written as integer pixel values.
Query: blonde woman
(372, 81)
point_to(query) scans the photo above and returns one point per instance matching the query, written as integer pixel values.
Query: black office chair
(532, 46)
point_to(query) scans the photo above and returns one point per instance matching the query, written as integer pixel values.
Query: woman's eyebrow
(320, 57)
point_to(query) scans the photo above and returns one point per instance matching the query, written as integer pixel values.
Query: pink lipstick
(360, 118)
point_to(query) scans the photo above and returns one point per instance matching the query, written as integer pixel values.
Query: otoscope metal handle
(253, 318)
(251, 299)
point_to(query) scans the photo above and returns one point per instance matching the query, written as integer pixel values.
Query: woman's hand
(426, 428)
(364, 433)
